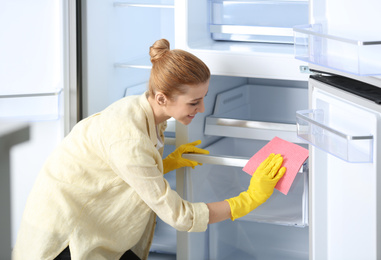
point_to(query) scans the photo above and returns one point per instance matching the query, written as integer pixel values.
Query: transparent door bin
(256, 21)
(213, 182)
(248, 111)
(351, 148)
(360, 57)
(31, 107)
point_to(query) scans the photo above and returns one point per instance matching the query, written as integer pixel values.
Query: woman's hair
(174, 70)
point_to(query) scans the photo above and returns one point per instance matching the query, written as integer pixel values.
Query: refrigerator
(269, 62)
(272, 64)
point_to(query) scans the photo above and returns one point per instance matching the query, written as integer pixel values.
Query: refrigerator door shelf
(221, 177)
(256, 21)
(31, 107)
(359, 57)
(351, 148)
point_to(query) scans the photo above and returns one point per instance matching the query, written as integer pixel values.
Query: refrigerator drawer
(221, 177)
(243, 240)
(256, 21)
(352, 148)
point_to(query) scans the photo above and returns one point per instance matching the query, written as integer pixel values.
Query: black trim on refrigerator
(356, 87)
(79, 58)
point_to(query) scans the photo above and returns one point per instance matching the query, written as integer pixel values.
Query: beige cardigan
(99, 190)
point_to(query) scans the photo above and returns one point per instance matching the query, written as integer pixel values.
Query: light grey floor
(156, 256)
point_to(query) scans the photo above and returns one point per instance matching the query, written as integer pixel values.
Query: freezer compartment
(244, 240)
(357, 56)
(222, 177)
(256, 21)
(32, 106)
(257, 112)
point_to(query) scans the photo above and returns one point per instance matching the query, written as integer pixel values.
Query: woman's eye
(194, 104)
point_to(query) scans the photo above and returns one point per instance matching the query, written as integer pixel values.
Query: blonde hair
(174, 70)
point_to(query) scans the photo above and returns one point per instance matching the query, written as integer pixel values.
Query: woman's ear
(160, 98)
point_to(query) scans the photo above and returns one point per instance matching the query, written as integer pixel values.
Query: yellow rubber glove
(261, 187)
(175, 160)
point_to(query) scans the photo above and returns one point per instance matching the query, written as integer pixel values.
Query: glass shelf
(139, 63)
(249, 129)
(239, 113)
(312, 128)
(256, 21)
(359, 57)
(146, 4)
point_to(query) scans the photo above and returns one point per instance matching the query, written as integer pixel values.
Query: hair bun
(158, 49)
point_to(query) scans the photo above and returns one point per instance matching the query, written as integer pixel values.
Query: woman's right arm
(218, 211)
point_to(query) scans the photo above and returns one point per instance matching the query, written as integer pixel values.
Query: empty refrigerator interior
(241, 116)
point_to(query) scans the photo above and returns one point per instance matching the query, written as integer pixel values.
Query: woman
(98, 194)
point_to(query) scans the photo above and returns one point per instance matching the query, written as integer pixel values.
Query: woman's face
(184, 107)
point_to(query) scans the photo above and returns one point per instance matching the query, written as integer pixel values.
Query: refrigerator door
(38, 85)
(344, 174)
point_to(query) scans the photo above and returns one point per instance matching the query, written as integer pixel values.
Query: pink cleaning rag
(293, 158)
